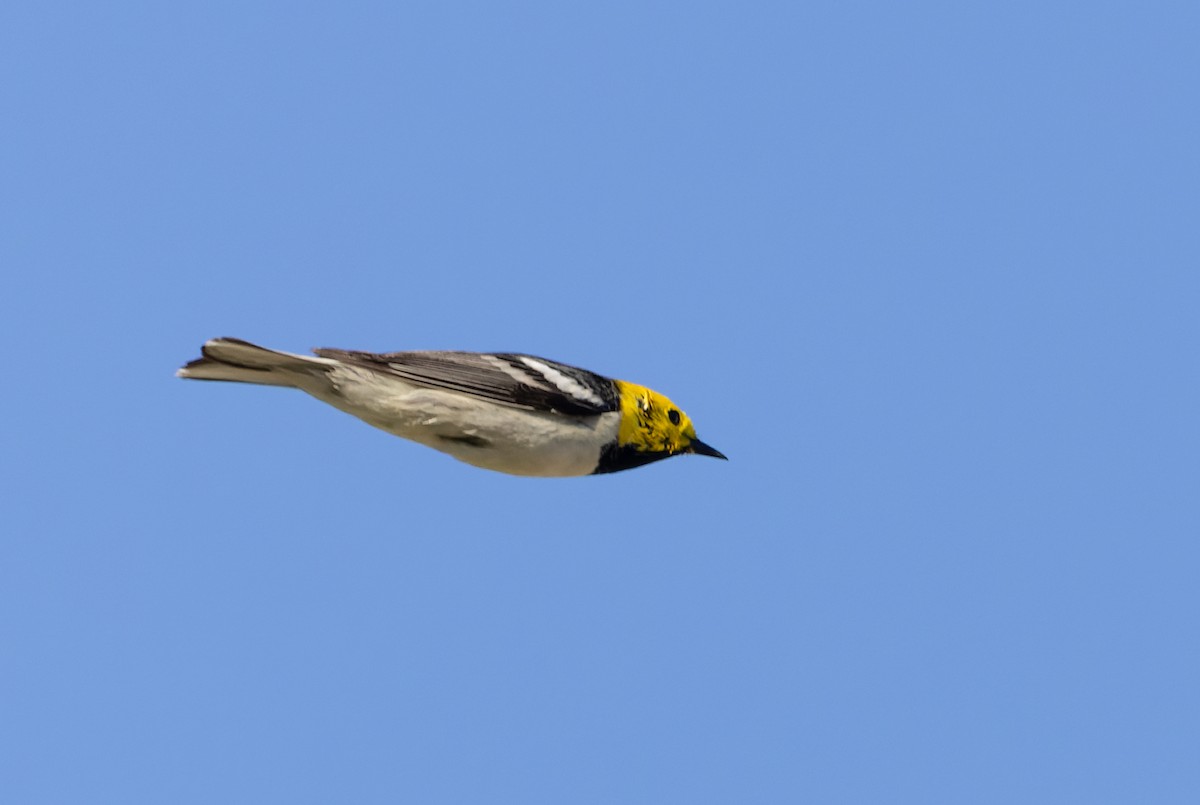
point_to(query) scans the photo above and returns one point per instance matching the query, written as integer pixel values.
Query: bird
(508, 412)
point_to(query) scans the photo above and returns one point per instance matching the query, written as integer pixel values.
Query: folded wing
(513, 379)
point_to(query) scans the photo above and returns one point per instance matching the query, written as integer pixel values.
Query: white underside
(511, 440)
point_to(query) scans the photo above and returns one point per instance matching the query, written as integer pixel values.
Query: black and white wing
(508, 378)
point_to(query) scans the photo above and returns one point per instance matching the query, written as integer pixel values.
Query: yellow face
(651, 423)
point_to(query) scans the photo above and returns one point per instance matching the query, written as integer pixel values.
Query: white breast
(488, 435)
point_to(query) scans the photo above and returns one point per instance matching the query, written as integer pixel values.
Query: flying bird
(502, 411)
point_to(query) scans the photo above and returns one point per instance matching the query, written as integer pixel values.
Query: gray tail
(237, 361)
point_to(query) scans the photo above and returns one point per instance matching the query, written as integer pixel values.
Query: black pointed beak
(701, 449)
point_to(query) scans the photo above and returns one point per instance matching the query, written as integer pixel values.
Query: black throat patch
(614, 458)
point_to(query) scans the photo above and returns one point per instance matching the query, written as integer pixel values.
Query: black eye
(673, 415)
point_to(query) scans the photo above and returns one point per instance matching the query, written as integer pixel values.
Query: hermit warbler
(503, 411)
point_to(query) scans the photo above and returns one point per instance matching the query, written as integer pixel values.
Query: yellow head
(652, 428)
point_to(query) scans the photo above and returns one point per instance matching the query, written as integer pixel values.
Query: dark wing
(508, 378)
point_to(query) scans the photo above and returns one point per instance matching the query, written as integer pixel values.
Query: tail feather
(237, 361)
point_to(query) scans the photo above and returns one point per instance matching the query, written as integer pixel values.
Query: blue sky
(926, 272)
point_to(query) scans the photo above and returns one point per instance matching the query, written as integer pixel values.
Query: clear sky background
(927, 272)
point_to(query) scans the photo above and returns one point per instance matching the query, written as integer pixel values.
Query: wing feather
(508, 378)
